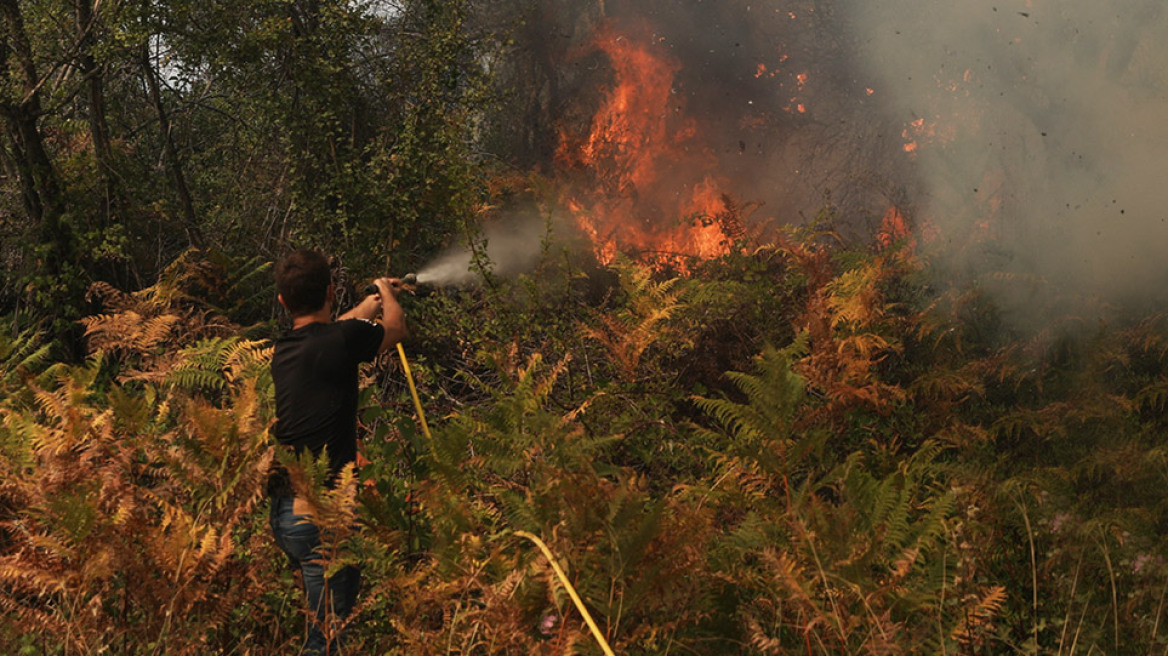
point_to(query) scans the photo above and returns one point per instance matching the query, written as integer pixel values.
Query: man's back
(314, 369)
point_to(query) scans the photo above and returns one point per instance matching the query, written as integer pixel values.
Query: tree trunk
(95, 97)
(20, 107)
(170, 153)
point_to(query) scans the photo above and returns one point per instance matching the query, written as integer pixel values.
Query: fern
(130, 514)
(649, 305)
(763, 428)
(22, 356)
(191, 301)
(947, 386)
(1153, 396)
(979, 610)
(853, 297)
(215, 364)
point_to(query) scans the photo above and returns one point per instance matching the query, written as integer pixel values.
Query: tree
(25, 156)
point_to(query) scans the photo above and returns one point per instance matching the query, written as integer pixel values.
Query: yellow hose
(523, 534)
(571, 591)
(414, 391)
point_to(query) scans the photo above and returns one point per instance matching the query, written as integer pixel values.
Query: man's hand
(367, 309)
(393, 320)
(390, 286)
(372, 305)
(383, 303)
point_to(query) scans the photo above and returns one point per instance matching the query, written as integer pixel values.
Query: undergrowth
(797, 450)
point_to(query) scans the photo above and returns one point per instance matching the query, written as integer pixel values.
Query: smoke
(779, 117)
(509, 246)
(1025, 138)
(1043, 139)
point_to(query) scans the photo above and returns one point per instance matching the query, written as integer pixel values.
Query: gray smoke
(1049, 161)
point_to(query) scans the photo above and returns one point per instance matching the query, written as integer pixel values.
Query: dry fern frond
(853, 298)
(979, 614)
(628, 335)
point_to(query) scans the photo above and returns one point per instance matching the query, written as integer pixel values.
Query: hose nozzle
(410, 279)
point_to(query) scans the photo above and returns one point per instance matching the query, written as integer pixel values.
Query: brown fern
(627, 336)
(978, 615)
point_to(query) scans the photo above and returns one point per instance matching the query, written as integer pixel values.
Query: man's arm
(366, 309)
(392, 319)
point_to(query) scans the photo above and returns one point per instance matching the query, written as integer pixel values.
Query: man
(314, 369)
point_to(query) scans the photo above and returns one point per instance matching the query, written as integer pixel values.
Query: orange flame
(894, 228)
(641, 181)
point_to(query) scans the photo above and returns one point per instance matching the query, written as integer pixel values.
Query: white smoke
(1052, 135)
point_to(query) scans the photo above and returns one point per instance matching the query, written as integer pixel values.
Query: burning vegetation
(641, 180)
(673, 148)
(798, 408)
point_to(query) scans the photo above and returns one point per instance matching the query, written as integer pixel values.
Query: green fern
(763, 428)
(217, 363)
(24, 356)
(1153, 396)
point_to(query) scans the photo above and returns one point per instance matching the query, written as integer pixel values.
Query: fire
(641, 182)
(894, 228)
(919, 131)
(796, 105)
(762, 71)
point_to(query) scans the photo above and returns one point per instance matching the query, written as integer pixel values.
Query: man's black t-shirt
(314, 369)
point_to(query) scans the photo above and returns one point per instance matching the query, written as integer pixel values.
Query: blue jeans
(300, 539)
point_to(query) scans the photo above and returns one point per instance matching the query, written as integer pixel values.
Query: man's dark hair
(302, 278)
